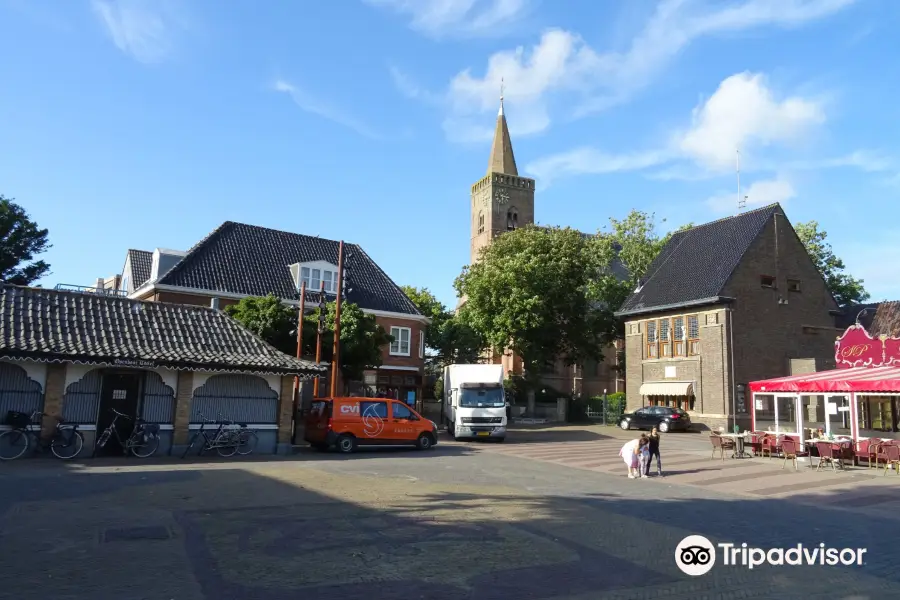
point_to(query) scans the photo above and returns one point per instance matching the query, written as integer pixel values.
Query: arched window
(512, 219)
(480, 222)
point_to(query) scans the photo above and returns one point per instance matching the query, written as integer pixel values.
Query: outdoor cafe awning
(667, 388)
(859, 379)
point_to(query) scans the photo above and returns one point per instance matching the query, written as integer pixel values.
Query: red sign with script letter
(856, 348)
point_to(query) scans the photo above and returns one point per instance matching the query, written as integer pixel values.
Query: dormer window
(313, 278)
(314, 275)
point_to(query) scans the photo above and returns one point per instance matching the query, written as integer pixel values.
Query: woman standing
(653, 448)
(630, 453)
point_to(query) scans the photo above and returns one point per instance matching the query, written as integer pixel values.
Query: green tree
(533, 291)
(362, 339)
(845, 288)
(448, 340)
(635, 242)
(20, 241)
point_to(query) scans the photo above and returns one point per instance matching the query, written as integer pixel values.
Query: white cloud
(144, 29)
(759, 193)
(590, 161)
(562, 62)
(439, 18)
(744, 113)
(312, 105)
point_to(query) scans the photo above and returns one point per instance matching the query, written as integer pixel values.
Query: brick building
(503, 201)
(78, 355)
(726, 303)
(237, 260)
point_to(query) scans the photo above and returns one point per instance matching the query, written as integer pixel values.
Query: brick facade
(771, 331)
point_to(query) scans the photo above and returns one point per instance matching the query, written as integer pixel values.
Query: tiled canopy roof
(694, 266)
(255, 261)
(61, 326)
(141, 265)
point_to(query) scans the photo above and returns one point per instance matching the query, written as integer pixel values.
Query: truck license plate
(484, 433)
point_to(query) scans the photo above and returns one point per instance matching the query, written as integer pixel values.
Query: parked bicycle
(142, 442)
(246, 438)
(224, 441)
(65, 443)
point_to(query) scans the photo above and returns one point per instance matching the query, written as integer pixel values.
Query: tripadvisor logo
(695, 555)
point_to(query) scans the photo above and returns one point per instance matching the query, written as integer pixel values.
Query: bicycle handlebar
(121, 414)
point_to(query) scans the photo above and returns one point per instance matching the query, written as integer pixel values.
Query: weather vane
(502, 87)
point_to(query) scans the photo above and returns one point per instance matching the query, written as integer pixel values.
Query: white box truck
(474, 402)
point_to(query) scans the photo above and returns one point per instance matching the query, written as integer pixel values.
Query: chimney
(214, 304)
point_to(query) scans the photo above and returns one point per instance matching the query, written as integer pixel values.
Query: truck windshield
(491, 397)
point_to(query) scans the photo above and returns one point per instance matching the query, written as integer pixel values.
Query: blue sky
(147, 123)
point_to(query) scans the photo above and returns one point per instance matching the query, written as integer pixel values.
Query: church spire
(502, 159)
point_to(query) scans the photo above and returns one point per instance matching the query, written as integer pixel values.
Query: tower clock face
(502, 196)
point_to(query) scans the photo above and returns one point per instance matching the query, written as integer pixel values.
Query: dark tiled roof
(254, 261)
(848, 314)
(694, 266)
(52, 325)
(884, 320)
(141, 265)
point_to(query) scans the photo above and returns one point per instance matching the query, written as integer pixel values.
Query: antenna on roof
(742, 204)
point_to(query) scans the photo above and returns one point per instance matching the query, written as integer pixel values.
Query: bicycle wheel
(226, 445)
(144, 445)
(67, 444)
(248, 441)
(13, 444)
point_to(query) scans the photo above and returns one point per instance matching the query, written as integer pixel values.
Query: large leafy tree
(635, 243)
(533, 291)
(362, 339)
(20, 241)
(448, 340)
(845, 288)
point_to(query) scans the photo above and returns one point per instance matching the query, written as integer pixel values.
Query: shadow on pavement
(254, 534)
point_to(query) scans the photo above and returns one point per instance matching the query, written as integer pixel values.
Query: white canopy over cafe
(858, 399)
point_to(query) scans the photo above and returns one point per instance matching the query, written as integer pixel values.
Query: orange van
(346, 423)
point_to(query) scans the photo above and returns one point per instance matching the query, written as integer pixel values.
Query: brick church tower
(501, 200)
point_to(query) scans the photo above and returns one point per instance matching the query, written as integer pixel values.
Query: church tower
(501, 200)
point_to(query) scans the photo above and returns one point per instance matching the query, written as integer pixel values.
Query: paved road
(472, 522)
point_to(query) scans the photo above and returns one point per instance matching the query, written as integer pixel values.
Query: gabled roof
(255, 261)
(62, 326)
(141, 265)
(694, 266)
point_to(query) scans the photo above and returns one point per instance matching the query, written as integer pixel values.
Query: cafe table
(739, 441)
(841, 441)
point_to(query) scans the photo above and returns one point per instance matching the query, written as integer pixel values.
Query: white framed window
(421, 344)
(313, 278)
(400, 345)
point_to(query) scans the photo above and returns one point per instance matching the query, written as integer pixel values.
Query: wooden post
(296, 399)
(335, 361)
(322, 308)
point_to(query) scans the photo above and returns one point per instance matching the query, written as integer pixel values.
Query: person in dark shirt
(653, 442)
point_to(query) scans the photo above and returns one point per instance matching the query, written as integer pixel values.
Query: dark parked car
(662, 417)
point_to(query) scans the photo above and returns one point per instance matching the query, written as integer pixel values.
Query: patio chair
(756, 442)
(881, 451)
(891, 457)
(720, 445)
(865, 450)
(791, 450)
(826, 455)
(771, 445)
